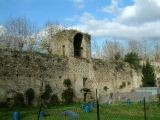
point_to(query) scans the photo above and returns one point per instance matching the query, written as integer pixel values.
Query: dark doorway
(77, 44)
(63, 50)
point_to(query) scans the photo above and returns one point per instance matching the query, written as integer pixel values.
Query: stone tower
(72, 43)
(76, 46)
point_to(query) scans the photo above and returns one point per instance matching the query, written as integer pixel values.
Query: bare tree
(97, 50)
(3, 41)
(31, 42)
(134, 46)
(112, 49)
(18, 31)
(145, 48)
(156, 50)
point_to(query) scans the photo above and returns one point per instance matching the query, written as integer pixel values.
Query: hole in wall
(77, 45)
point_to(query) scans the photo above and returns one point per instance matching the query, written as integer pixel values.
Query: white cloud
(141, 11)
(114, 29)
(139, 21)
(72, 19)
(113, 8)
(79, 3)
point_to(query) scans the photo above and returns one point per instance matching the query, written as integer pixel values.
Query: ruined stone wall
(114, 77)
(20, 71)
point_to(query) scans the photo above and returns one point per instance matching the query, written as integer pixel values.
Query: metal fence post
(159, 93)
(145, 114)
(98, 118)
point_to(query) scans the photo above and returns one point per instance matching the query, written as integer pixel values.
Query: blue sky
(40, 11)
(103, 19)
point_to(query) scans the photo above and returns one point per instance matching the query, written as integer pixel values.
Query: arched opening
(77, 45)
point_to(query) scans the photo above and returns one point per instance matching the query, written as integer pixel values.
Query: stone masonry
(71, 59)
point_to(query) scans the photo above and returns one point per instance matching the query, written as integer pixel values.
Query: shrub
(46, 94)
(67, 83)
(3, 104)
(54, 100)
(68, 95)
(30, 96)
(19, 100)
(48, 88)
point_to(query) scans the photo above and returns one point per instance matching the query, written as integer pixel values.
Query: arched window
(77, 45)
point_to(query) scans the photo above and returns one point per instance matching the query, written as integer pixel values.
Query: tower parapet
(72, 43)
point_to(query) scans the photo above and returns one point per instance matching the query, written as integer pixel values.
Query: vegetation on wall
(105, 88)
(67, 83)
(46, 95)
(54, 100)
(68, 93)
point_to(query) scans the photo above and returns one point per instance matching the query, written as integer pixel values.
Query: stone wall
(114, 77)
(20, 71)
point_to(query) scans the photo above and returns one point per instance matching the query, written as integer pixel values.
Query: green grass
(107, 112)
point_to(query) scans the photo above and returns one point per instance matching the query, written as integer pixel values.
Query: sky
(103, 19)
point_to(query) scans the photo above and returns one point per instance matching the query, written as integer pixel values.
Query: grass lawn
(107, 112)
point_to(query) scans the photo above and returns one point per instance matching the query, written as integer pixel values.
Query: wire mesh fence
(133, 111)
(141, 105)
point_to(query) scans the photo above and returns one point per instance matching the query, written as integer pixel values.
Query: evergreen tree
(148, 75)
(133, 59)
